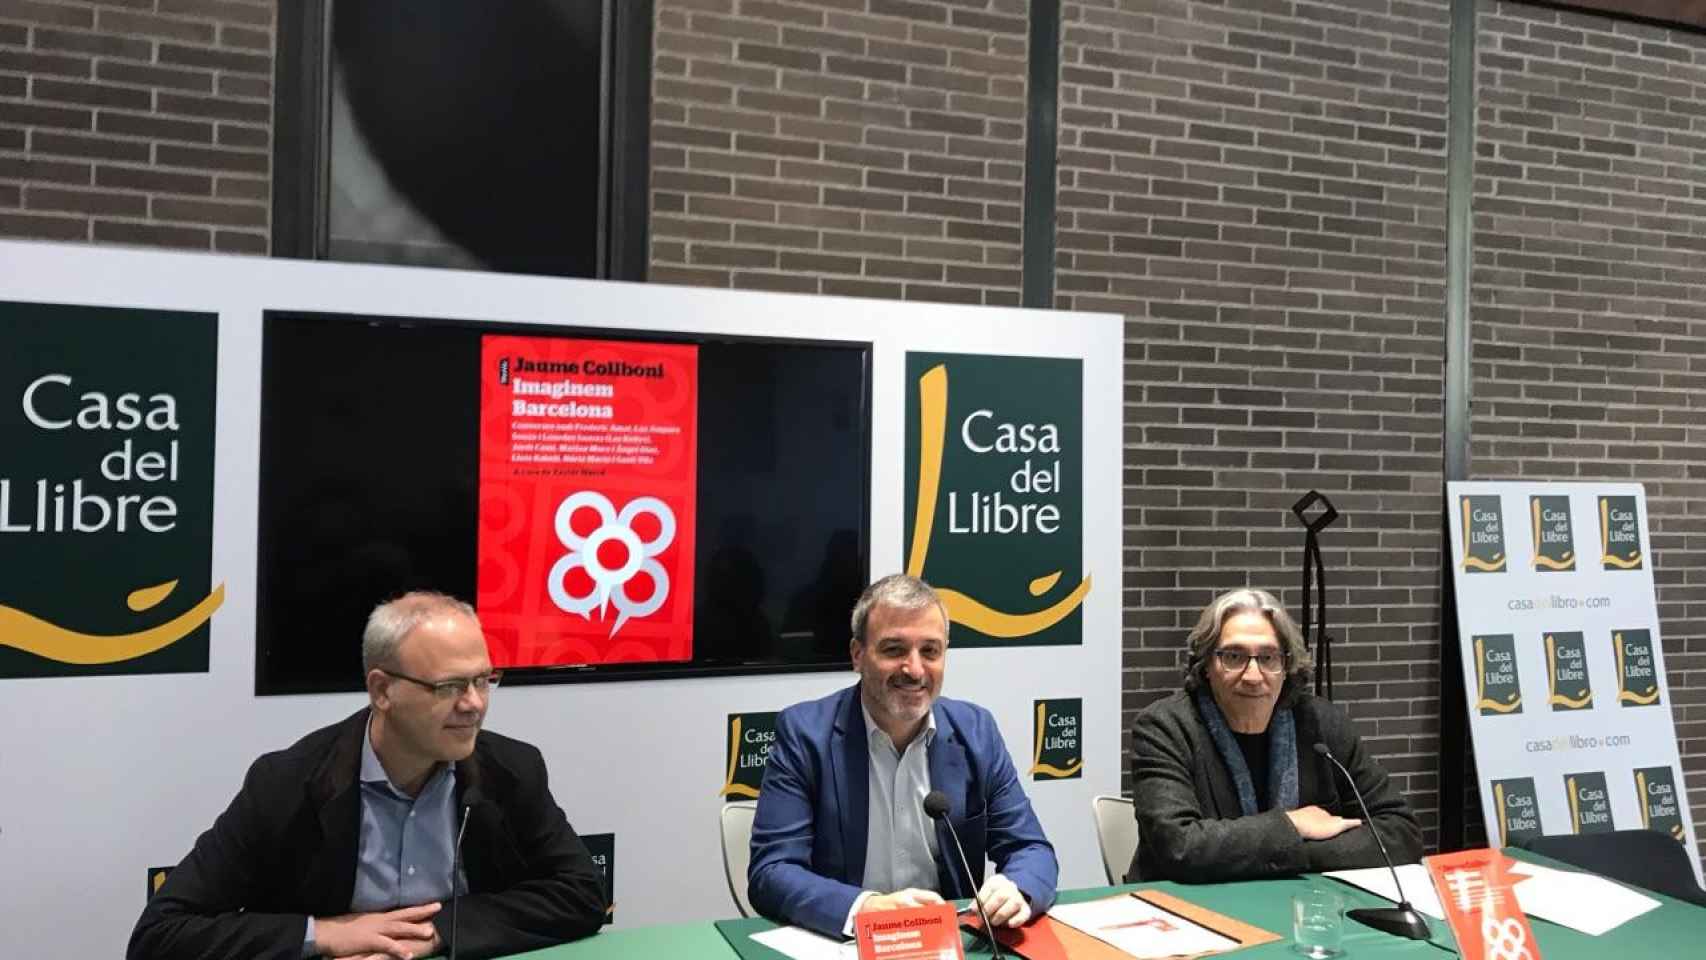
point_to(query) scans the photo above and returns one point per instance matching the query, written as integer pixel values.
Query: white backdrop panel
(101, 778)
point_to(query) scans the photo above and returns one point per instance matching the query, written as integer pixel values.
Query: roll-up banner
(1568, 704)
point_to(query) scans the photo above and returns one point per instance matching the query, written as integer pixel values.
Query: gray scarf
(1282, 756)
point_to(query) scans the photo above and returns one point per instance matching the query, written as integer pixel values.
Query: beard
(905, 701)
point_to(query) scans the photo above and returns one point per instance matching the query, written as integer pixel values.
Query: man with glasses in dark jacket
(345, 844)
(1225, 778)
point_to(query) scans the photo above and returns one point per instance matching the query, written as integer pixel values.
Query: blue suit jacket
(808, 840)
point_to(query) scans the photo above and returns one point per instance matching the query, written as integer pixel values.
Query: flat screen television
(617, 505)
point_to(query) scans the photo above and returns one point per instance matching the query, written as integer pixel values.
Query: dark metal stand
(1321, 646)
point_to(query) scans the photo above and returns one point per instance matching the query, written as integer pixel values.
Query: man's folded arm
(1392, 815)
(780, 880)
(564, 897)
(199, 912)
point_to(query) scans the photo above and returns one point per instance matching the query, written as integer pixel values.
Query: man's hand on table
(402, 934)
(1314, 823)
(1004, 903)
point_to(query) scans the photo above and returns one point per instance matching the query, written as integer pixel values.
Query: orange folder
(1045, 939)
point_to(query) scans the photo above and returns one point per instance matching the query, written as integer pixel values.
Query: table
(1674, 930)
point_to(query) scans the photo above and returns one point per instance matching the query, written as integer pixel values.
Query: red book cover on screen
(588, 460)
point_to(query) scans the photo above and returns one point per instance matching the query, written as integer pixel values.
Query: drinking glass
(1317, 923)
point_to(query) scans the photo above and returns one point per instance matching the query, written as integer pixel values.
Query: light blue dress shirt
(407, 844)
(900, 839)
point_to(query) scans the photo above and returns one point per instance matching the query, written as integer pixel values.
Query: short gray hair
(393, 620)
(900, 591)
(1205, 636)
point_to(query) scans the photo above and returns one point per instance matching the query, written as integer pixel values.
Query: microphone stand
(936, 807)
(1402, 920)
(455, 878)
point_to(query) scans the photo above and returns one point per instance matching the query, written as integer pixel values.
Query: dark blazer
(1191, 828)
(808, 837)
(285, 849)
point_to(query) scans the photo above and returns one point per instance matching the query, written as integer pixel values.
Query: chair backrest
(1116, 833)
(737, 849)
(1642, 858)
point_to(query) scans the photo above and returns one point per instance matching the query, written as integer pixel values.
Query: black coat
(285, 850)
(1191, 828)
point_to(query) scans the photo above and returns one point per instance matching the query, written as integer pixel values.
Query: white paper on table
(805, 945)
(1583, 902)
(1140, 928)
(1378, 881)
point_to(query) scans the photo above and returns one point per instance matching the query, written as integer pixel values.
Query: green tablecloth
(675, 941)
(1675, 930)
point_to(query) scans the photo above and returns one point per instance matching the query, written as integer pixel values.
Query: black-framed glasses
(1235, 659)
(454, 688)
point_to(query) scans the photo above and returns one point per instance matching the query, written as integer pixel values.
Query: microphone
(936, 807)
(1402, 920)
(455, 876)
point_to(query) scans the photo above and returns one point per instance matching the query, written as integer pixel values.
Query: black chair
(1641, 858)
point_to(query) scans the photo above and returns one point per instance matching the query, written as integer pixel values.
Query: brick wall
(1258, 187)
(871, 148)
(137, 121)
(1262, 192)
(1590, 290)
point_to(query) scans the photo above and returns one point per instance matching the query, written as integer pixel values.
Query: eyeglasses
(453, 689)
(1235, 659)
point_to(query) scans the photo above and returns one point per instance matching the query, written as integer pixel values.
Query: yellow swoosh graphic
(1499, 803)
(987, 620)
(1552, 665)
(1480, 669)
(1641, 791)
(932, 425)
(148, 598)
(32, 634)
(730, 787)
(1575, 807)
(1567, 563)
(1624, 696)
(1620, 563)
